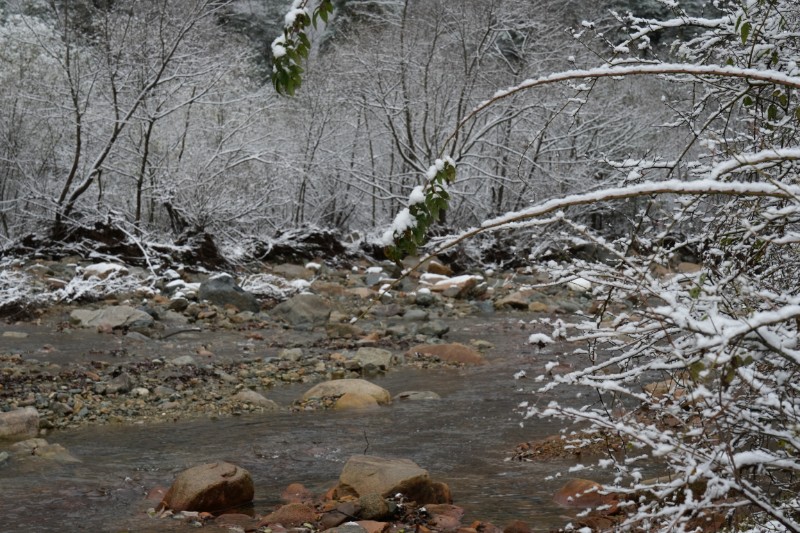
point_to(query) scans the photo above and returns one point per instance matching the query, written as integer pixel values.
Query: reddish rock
(291, 515)
(444, 517)
(451, 353)
(237, 520)
(210, 487)
(582, 493)
(485, 527)
(436, 267)
(517, 526)
(156, 494)
(371, 526)
(296, 493)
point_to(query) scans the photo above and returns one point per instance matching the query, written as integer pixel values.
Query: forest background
(160, 116)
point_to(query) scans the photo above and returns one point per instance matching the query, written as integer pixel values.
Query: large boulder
(210, 487)
(221, 290)
(303, 311)
(450, 353)
(340, 387)
(113, 317)
(19, 424)
(366, 474)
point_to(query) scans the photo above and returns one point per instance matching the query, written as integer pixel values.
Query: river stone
(451, 353)
(221, 290)
(115, 316)
(120, 384)
(375, 356)
(210, 487)
(433, 328)
(366, 474)
(417, 395)
(290, 271)
(516, 300)
(424, 297)
(415, 315)
(183, 360)
(15, 335)
(459, 286)
(352, 400)
(43, 449)
(291, 515)
(254, 398)
(303, 311)
(339, 387)
(517, 526)
(297, 493)
(444, 516)
(19, 424)
(373, 507)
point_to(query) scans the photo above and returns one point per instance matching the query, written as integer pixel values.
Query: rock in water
(19, 424)
(340, 387)
(210, 487)
(222, 290)
(450, 353)
(365, 474)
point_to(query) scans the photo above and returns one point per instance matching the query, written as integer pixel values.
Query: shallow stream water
(464, 440)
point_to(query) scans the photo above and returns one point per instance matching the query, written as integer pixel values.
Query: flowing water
(464, 440)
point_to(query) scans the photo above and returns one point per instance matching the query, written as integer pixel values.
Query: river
(464, 439)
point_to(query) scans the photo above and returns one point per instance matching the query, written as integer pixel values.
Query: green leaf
(745, 31)
(772, 112)
(747, 101)
(695, 369)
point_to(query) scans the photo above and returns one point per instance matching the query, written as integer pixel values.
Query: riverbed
(465, 439)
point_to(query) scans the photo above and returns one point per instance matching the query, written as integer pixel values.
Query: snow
(432, 279)
(103, 270)
(272, 286)
(539, 338)
(417, 196)
(278, 48)
(291, 16)
(579, 285)
(457, 280)
(403, 221)
(765, 75)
